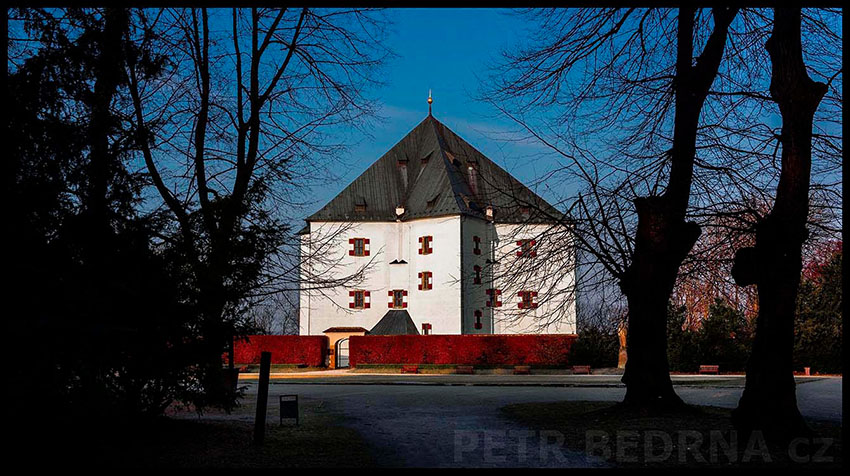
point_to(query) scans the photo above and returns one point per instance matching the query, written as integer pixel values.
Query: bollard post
(262, 398)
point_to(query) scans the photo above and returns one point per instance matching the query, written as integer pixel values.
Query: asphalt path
(427, 425)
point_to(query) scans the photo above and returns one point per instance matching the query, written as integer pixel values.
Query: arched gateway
(341, 350)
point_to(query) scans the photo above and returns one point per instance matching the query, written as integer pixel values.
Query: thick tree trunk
(663, 238)
(769, 401)
(660, 247)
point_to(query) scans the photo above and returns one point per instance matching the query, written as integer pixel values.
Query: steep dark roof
(427, 173)
(395, 322)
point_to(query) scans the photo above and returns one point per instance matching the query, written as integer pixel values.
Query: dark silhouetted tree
(98, 314)
(232, 136)
(631, 77)
(774, 264)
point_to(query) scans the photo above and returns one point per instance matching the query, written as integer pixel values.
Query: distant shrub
(818, 326)
(724, 338)
(595, 347)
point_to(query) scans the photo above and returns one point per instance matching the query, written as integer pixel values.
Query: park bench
(464, 369)
(709, 369)
(410, 369)
(581, 369)
(522, 369)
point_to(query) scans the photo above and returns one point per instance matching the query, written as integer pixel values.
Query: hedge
(541, 350)
(289, 349)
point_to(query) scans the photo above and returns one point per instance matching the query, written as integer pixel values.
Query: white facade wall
(552, 274)
(475, 294)
(450, 306)
(328, 257)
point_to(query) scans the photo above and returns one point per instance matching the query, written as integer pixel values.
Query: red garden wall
(290, 349)
(542, 350)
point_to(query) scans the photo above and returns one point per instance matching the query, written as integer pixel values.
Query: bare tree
(645, 266)
(664, 238)
(236, 130)
(597, 88)
(774, 264)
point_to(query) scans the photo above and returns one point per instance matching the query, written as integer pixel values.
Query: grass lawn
(215, 440)
(689, 439)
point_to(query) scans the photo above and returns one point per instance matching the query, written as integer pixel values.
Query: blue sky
(449, 52)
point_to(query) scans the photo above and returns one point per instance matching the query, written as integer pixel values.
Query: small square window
(526, 248)
(425, 245)
(493, 297)
(359, 247)
(426, 281)
(398, 299)
(358, 299)
(527, 299)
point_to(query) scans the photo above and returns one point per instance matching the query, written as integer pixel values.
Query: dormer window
(402, 168)
(360, 204)
(430, 203)
(473, 180)
(359, 247)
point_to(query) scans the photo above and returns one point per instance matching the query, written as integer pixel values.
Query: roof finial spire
(430, 100)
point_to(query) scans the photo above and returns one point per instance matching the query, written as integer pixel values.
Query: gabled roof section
(434, 172)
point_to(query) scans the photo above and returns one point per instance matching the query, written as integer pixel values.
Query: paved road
(438, 426)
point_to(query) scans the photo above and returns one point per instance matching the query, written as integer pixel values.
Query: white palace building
(430, 236)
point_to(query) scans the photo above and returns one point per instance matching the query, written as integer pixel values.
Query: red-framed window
(526, 299)
(426, 328)
(425, 245)
(526, 248)
(477, 278)
(493, 297)
(359, 299)
(478, 314)
(426, 280)
(359, 247)
(476, 245)
(398, 299)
